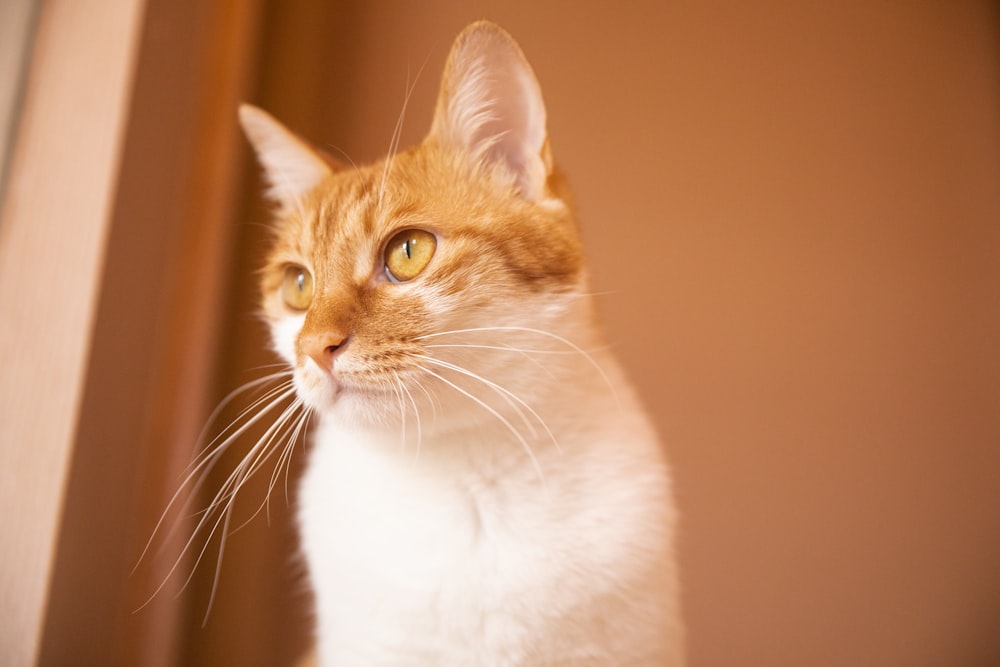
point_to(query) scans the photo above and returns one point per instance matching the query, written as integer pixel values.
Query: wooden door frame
(114, 248)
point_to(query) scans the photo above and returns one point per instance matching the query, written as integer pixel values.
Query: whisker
(300, 428)
(259, 454)
(512, 399)
(269, 401)
(416, 416)
(344, 153)
(208, 460)
(272, 441)
(416, 412)
(506, 348)
(431, 398)
(176, 564)
(503, 420)
(496, 388)
(277, 364)
(218, 570)
(253, 384)
(219, 497)
(211, 450)
(402, 412)
(397, 133)
(287, 444)
(540, 332)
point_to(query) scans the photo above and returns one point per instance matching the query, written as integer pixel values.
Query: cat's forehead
(372, 201)
(346, 220)
(360, 204)
(345, 201)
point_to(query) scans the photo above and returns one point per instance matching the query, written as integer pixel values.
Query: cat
(483, 487)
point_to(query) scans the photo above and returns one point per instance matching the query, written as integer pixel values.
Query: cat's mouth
(323, 390)
(318, 388)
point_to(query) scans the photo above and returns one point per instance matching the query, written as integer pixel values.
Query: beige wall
(792, 211)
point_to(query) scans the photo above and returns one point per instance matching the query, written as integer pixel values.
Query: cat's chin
(332, 397)
(319, 391)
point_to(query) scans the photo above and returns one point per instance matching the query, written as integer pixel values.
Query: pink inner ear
(518, 132)
(496, 111)
(290, 165)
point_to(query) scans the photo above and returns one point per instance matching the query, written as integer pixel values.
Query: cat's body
(483, 487)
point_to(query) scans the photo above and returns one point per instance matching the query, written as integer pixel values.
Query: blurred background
(791, 210)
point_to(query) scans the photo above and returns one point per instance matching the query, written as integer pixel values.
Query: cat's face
(381, 275)
(372, 279)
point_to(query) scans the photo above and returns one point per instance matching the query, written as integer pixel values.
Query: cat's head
(382, 278)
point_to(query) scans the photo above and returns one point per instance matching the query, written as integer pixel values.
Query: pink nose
(323, 348)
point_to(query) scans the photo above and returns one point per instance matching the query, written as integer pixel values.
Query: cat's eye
(408, 253)
(297, 287)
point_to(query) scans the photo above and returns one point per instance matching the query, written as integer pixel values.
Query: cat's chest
(369, 513)
(422, 563)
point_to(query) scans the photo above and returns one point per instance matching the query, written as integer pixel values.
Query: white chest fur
(466, 556)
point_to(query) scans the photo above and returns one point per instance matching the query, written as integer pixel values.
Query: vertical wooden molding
(16, 30)
(153, 358)
(53, 225)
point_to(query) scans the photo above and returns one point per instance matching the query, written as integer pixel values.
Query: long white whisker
(269, 402)
(393, 145)
(210, 450)
(285, 442)
(431, 398)
(540, 332)
(207, 461)
(416, 412)
(512, 399)
(276, 435)
(177, 563)
(397, 133)
(233, 483)
(220, 495)
(285, 458)
(345, 154)
(218, 567)
(416, 416)
(402, 413)
(300, 427)
(261, 452)
(496, 388)
(505, 348)
(493, 411)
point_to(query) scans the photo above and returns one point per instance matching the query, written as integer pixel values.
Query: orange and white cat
(483, 486)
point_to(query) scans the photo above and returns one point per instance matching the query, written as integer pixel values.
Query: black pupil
(406, 248)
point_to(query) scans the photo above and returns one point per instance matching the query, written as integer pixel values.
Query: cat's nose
(323, 348)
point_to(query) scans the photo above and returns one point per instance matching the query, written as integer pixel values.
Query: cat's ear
(490, 108)
(291, 167)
